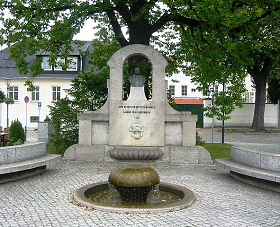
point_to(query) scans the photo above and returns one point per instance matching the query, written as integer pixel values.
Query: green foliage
(216, 42)
(16, 133)
(47, 119)
(88, 92)
(199, 141)
(274, 88)
(9, 101)
(64, 117)
(171, 100)
(2, 97)
(233, 39)
(89, 89)
(56, 149)
(19, 142)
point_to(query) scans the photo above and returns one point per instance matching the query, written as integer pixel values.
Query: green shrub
(16, 132)
(47, 119)
(199, 141)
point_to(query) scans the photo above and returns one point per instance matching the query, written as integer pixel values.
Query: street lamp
(8, 81)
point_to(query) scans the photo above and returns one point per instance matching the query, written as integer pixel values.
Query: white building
(181, 87)
(50, 86)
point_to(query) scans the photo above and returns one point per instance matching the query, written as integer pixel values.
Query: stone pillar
(189, 133)
(85, 132)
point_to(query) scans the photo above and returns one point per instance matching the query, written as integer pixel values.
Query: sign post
(26, 100)
(39, 108)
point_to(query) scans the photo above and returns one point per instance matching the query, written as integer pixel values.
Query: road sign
(39, 104)
(26, 99)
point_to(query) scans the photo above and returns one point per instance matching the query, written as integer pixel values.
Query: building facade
(181, 87)
(31, 107)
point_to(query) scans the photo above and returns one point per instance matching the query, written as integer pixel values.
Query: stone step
(250, 171)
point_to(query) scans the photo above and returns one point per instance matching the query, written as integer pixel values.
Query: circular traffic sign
(26, 99)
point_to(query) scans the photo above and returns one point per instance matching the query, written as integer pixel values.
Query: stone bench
(17, 162)
(258, 168)
(256, 158)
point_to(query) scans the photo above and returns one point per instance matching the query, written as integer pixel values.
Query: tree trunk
(258, 120)
(260, 76)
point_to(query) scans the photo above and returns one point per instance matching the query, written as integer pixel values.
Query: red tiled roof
(188, 101)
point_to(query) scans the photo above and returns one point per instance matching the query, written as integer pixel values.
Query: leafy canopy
(216, 41)
(235, 38)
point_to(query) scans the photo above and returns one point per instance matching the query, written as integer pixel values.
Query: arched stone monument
(137, 128)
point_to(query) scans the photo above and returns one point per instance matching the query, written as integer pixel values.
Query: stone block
(187, 155)
(189, 133)
(270, 161)
(21, 152)
(173, 133)
(203, 156)
(246, 156)
(92, 153)
(70, 153)
(136, 123)
(100, 132)
(85, 129)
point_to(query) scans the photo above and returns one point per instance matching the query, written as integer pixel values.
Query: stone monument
(137, 128)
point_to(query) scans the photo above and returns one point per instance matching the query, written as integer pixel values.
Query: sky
(87, 32)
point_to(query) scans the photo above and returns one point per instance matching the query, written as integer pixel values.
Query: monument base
(168, 154)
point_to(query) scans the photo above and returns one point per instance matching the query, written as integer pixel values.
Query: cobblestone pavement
(46, 200)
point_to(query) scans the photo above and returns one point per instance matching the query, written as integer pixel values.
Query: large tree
(236, 38)
(211, 30)
(50, 25)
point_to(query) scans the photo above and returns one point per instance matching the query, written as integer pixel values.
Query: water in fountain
(155, 198)
(134, 188)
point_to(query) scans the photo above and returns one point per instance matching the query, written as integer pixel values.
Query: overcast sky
(87, 32)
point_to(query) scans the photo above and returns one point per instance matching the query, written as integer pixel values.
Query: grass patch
(218, 150)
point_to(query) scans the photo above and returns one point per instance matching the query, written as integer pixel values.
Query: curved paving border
(187, 200)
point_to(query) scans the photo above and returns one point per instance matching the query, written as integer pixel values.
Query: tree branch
(171, 18)
(116, 28)
(124, 11)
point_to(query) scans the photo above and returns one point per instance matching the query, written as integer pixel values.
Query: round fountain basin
(175, 197)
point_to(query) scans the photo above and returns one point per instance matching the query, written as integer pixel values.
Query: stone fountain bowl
(187, 199)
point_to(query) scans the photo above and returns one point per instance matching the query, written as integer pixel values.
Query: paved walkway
(240, 137)
(46, 200)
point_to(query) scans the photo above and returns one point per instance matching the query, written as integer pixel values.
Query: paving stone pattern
(46, 200)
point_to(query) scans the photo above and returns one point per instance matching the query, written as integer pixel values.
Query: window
(34, 119)
(35, 94)
(13, 93)
(45, 64)
(246, 99)
(59, 61)
(216, 88)
(72, 63)
(184, 90)
(172, 90)
(56, 93)
(252, 97)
